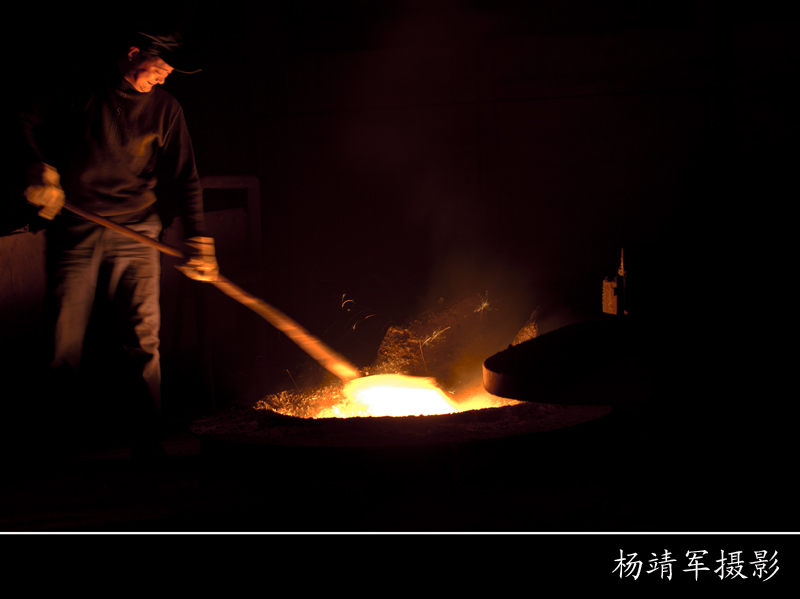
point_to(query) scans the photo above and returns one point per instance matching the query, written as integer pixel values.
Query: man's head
(144, 70)
(151, 58)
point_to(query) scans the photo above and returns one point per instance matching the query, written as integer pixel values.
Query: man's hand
(202, 263)
(45, 191)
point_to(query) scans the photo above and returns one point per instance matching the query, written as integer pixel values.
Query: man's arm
(177, 164)
(42, 187)
(181, 170)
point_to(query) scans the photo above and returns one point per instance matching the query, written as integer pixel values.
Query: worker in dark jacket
(104, 147)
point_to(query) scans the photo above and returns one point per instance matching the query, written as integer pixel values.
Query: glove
(46, 192)
(202, 264)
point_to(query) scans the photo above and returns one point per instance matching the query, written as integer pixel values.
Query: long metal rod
(328, 358)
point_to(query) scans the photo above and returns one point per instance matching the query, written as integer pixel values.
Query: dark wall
(411, 151)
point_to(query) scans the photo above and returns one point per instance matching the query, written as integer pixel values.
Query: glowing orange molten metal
(382, 395)
(392, 395)
(398, 395)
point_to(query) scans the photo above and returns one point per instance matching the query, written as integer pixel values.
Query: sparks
(483, 305)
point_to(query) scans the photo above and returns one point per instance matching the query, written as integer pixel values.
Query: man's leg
(74, 254)
(134, 284)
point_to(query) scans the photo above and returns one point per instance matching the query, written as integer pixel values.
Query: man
(104, 147)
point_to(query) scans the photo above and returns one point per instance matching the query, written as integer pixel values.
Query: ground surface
(641, 468)
(628, 471)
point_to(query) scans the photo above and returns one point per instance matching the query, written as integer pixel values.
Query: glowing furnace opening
(402, 395)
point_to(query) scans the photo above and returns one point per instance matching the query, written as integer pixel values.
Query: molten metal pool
(392, 395)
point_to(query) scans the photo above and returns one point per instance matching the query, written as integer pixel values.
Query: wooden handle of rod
(328, 358)
(315, 348)
(165, 249)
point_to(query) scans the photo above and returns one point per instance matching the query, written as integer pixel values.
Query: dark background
(409, 151)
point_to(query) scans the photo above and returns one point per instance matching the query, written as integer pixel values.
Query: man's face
(145, 72)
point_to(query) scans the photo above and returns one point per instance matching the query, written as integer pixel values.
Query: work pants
(87, 265)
